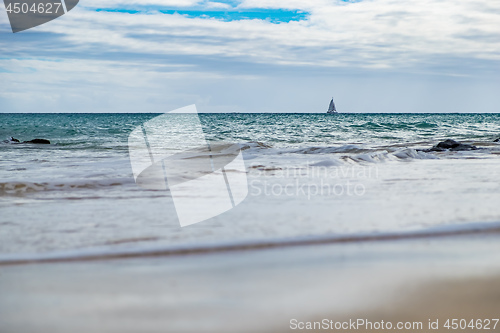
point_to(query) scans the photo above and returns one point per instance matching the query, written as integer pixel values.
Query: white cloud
(217, 5)
(288, 4)
(135, 54)
(372, 34)
(118, 3)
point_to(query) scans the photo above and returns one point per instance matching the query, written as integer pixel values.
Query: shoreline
(97, 254)
(251, 291)
(470, 301)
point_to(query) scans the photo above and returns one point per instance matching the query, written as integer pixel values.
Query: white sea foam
(16, 187)
(308, 177)
(409, 153)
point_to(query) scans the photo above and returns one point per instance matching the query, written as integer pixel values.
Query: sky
(256, 56)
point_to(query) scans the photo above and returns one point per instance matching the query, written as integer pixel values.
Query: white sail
(331, 108)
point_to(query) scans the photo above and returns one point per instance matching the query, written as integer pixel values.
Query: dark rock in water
(448, 144)
(464, 147)
(497, 140)
(451, 145)
(39, 141)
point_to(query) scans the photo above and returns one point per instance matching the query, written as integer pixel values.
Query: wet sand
(258, 290)
(462, 298)
(433, 304)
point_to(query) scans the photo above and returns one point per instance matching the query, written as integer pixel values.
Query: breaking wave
(22, 187)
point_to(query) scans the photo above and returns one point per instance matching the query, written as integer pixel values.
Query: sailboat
(331, 108)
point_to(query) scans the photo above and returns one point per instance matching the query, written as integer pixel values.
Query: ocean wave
(424, 125)
(369, 153)
(409, 153)
(383, 156)
(110, 252)
(254, 145)
(354, 152)
(22, 187)
(350, 148)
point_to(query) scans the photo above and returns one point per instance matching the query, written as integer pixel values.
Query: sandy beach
(259, 290)
(476, 299)
(249, 166)
(84, 249)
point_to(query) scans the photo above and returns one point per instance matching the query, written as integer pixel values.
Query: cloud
(373, 34)
(121, 3)
(176, 41)
(369, 34)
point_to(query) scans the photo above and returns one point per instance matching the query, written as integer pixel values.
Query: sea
(309, 178)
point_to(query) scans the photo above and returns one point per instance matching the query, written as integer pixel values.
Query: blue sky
(256, 56)
(232, 13)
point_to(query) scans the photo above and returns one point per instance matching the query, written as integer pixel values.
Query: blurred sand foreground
(261, 290)
(467, 298)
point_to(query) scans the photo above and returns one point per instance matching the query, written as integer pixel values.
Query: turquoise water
(78, 193)
(111, 130)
